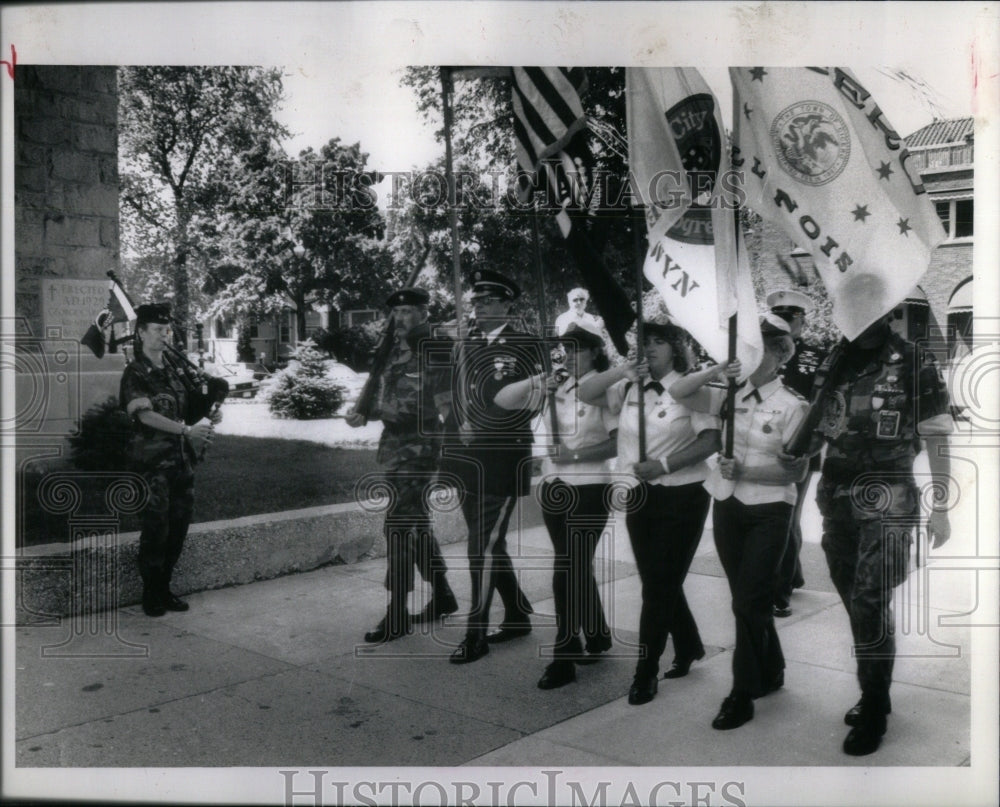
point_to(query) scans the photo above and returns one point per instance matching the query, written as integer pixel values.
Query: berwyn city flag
(820, 160)
(677, 157)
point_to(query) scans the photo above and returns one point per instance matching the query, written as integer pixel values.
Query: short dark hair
(676, 337)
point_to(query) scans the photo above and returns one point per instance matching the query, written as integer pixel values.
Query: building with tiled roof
(943, 153)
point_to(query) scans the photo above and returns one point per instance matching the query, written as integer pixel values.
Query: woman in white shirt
(574, 498)
(754, 493)
(667, 503)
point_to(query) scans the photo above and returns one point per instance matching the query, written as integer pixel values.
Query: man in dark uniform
(798, 374)
(409, 452)
(492, 456)
(883, 401)
(163, 450)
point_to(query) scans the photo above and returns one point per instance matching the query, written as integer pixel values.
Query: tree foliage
(182, 131)
(495, 229)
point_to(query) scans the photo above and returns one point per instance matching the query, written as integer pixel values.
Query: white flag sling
(820, 161)
(677, 155)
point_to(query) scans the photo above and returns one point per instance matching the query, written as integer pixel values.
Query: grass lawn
(241, 476)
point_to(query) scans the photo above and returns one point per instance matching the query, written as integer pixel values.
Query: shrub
(302, 391)
(102, 438)
(351, 346)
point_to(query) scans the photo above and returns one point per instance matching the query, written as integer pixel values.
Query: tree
(332, 247)
(496, 230)
(181, 133)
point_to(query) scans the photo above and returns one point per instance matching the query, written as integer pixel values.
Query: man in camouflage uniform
(884, 400)
(408, 452)
(163, 450)
(798, 374)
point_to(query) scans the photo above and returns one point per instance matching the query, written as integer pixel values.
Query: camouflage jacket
(158, 389)
(408, 386)
(870, 417)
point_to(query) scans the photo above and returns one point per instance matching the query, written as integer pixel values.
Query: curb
(98, 572)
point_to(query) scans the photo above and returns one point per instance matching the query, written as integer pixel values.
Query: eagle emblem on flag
(812, 142)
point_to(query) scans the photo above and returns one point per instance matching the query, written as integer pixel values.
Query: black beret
(158, 313)
(486, 282)
(408, 295)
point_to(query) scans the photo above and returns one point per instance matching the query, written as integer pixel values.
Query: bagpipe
(205, 392)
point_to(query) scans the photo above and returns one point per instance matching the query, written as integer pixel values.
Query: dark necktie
(752, 394)
(655, 386)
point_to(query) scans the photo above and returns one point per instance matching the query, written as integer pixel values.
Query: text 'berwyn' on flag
(678, 161)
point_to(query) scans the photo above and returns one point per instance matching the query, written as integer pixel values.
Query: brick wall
(65, 178)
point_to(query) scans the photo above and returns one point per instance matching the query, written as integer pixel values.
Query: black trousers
(750, 540)
(165, 522)
(487, 517)
(789, 576)
(576, 517)
(664, 527)
(409, 533)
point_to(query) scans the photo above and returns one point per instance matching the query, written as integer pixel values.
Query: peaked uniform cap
(582, 334)
(486, 282)
(789, 298)
(773, 325)
(408, 295)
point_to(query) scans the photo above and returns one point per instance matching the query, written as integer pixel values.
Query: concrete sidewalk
(274, 674)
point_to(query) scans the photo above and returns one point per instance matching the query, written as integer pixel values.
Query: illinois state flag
(820, 160)
(678, 164)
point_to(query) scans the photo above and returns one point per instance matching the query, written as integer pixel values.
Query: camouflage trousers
(409, 531)
(867, 532)
(165, 522)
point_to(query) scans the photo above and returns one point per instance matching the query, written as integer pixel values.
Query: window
(963, 218)
(285, 334)
(254, 330)
(956, 215)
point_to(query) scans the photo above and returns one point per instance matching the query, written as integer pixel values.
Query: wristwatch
(186, 431)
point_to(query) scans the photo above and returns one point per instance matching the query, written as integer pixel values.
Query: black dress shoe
(681, 666)
(596, 647)
(866, 736)
(471, 649)
(439, 606)
(775, 683)
(389, 629)
(174, 603)
(152, 605)
(559, 673)
(781, 611)
(512, 627)
(853, 715)
(643, 690)
(736, 710)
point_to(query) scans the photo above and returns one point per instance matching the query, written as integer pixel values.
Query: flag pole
(637, 218)
(733, 325)
(456, 258)
(546, 353)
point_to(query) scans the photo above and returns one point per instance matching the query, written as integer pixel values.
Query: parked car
(241, 379)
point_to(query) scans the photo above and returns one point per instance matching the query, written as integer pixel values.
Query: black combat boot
(441, 604)
(394, 625)
(866, 735)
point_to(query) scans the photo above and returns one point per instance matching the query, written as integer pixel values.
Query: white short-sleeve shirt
(580, 425)
(764, 421)
(670, 427)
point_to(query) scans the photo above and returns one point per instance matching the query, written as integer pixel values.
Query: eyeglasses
(579, 299)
